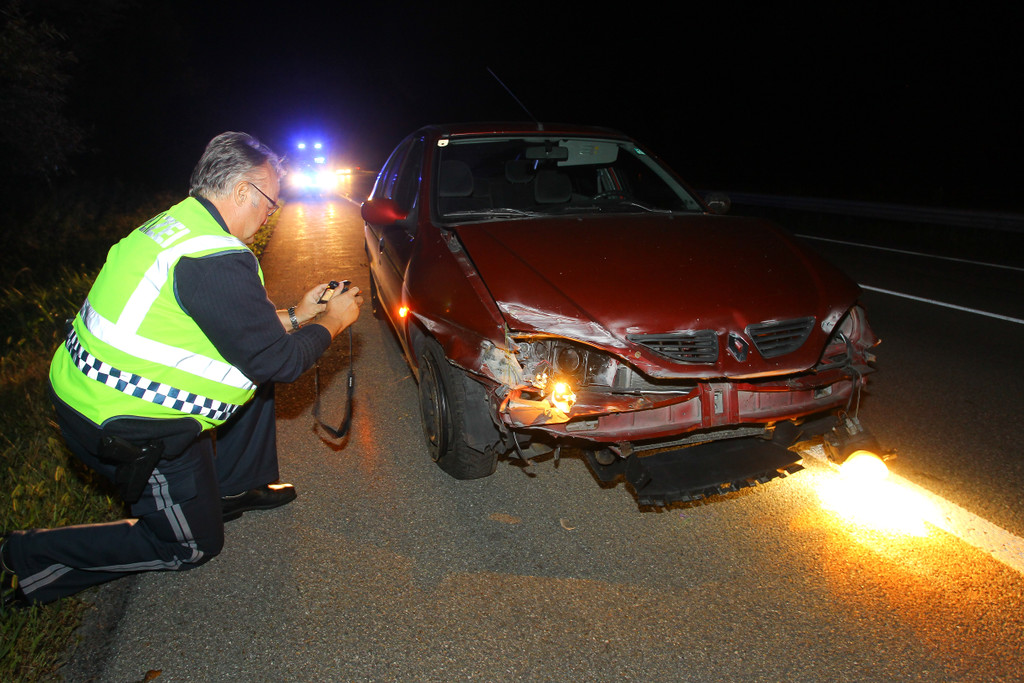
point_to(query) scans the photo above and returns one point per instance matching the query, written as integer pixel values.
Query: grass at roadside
(57, 256)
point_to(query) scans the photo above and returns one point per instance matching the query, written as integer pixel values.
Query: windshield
(508, 177)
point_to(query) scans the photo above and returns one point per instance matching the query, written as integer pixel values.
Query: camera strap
(342, 430)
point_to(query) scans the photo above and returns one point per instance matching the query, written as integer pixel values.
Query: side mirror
(382, 212)
(718, 202)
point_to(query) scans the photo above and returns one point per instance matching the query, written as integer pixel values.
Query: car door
(390, 246)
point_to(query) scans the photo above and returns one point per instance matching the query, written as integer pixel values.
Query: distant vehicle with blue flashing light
(311, 171)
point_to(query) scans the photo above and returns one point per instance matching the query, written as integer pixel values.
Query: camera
(332, 286)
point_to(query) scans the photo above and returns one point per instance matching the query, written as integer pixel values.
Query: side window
(407, 182)
(385, 184)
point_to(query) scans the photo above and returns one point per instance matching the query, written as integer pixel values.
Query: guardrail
(991, 220)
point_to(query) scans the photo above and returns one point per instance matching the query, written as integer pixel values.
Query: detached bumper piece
(705, 470)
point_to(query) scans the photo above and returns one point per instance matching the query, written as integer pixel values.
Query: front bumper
(611, 418)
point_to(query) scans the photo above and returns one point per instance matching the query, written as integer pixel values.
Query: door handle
(380, 245)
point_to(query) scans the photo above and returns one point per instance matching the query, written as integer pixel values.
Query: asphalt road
(385, 569)
(946, 395)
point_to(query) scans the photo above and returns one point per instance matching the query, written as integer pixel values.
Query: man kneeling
(172, 360)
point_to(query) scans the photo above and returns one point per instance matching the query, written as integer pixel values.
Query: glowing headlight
(864, 467)
(299, 179)
(557, 392)
(562, 397)
(326, 179)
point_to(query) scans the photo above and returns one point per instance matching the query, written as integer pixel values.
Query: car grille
(777, 338)
(700, 346)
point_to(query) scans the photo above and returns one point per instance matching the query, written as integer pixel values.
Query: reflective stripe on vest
(146, 389)
(156, 276)
(124, 338)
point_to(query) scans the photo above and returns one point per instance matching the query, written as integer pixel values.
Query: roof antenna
(540, 126)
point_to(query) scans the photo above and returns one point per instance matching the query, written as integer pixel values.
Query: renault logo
(738, 347)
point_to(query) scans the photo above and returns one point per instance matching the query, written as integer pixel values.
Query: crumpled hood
(600, 279)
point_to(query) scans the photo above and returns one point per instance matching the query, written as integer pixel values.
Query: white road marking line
(997, 316)
(975, 531)
(911, 253)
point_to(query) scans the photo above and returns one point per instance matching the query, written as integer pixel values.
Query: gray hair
(229, 158)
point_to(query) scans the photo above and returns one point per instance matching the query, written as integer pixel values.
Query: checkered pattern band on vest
(145, 389)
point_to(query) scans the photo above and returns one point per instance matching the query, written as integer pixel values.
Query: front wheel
(443, 406)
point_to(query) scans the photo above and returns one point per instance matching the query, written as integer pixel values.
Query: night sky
(855, 101)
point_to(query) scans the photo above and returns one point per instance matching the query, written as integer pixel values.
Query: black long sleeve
(224, 295)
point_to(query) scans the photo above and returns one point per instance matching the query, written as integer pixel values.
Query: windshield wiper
(500, 212)
(622, 205)
(640, 205)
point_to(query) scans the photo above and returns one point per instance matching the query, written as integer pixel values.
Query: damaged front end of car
(673, 438)
(558, 287)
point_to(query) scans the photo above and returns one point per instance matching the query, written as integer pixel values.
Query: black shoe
(262, 498)
(11, 595)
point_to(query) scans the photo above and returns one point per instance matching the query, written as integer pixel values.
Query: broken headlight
(850, 338)
(562, 360)
(586, 368)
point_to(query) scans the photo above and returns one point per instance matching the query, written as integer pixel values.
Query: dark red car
(558, 286)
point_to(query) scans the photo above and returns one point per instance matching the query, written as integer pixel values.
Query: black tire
(443, 392)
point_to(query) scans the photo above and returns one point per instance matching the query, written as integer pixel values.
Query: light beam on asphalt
(900, 506)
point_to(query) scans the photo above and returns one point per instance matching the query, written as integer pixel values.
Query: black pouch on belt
(134, 464)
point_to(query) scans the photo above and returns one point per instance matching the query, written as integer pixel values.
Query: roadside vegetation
(49, 261)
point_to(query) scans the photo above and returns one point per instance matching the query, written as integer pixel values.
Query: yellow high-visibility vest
(132, 350)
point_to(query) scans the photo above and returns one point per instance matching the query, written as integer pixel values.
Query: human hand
(342, 310)
(309, 306)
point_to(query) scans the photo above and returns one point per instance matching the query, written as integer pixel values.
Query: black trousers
(176, 523)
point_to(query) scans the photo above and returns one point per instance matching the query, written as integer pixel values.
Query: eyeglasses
(274, 206)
